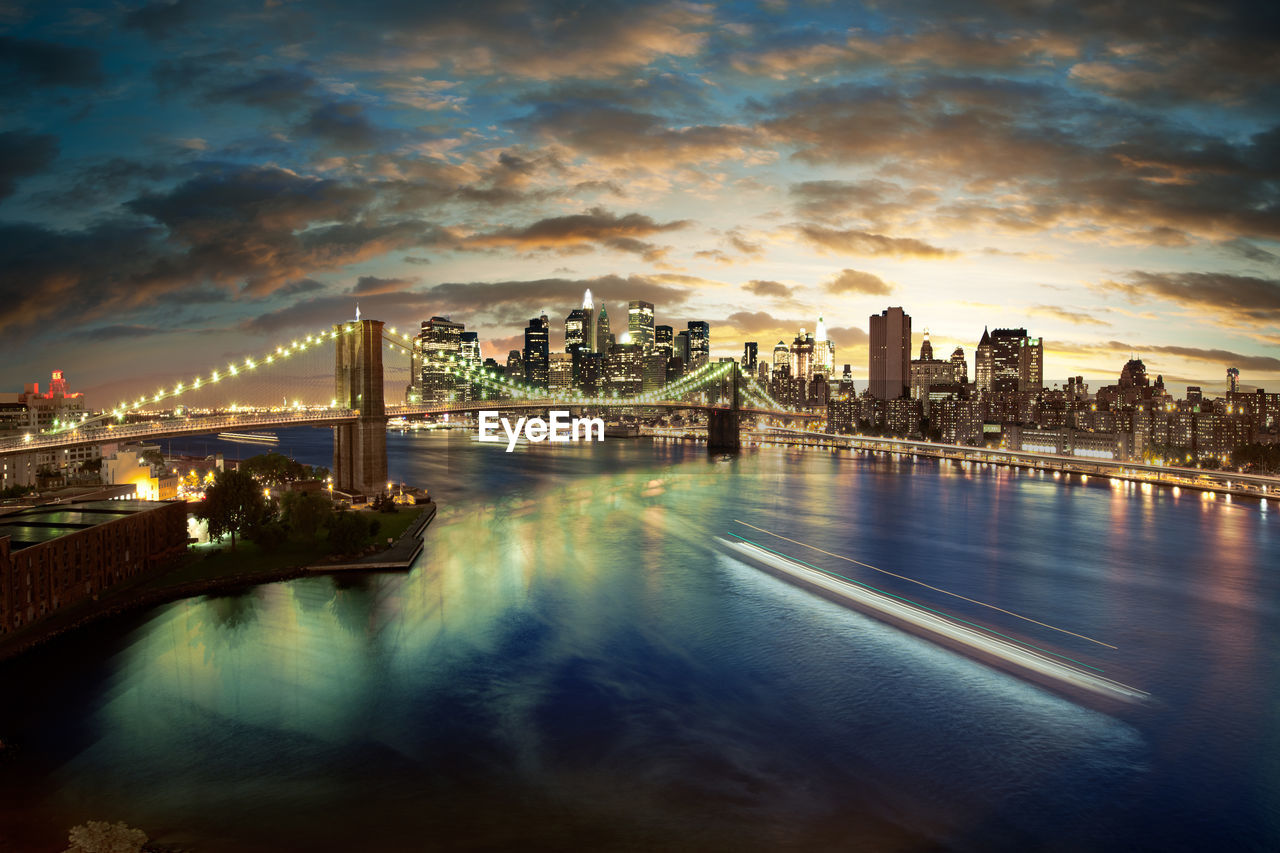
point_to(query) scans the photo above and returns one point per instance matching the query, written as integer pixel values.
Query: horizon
(185, 184)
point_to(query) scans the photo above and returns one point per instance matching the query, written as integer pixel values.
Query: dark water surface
(575, 664)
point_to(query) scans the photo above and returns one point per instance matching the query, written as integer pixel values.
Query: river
(576, 663)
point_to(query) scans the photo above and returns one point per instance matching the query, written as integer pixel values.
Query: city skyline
(185, 182)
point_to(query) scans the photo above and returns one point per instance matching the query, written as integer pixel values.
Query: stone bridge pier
(724, 425)
(360, 448)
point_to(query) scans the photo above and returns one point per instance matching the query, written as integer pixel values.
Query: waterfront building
(437, 340)
(1113, 446)
(52, 557)
(699, 343)
(537, 350)
(640, 323)
(33, 411)
(889, 354)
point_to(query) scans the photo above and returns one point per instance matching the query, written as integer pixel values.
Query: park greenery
(237, 503)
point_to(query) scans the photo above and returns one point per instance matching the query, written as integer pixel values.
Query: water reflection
(572, 663)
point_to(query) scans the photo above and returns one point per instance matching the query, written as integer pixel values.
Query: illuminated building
(824, 351)
(781, 355)
(603, 339)
(33, 411)
(699, 343)
(515, 366)
(560, 372)
(640, 323)
(928, 372)
(589, 325)
(624, 370)
(1233, 380)
(959, 367)
(576, 329)
(750, 351)
(802, 349)
(438, 339)
(537, 350)
(654, 371)
(681, 347)
(889, 354)
(1009, 361)
(664, 340)
(52, 557)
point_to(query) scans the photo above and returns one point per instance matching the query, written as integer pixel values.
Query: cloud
(856, 281)
(847, 336)
(23, 153)
(369, 285)
(26, 63)
(1223, 296)
(854, 242)
(596, 227)
(761, 287)
(1079, 318)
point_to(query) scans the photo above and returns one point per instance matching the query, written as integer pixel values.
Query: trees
(274, 469)
(305, 513)
(233, 503)
(349, 530)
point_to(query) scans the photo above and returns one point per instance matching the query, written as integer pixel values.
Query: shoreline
(151, 591)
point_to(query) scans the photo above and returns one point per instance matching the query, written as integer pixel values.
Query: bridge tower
(723, 425)
(360, 448)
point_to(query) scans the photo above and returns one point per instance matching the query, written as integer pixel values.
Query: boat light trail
(925, 585)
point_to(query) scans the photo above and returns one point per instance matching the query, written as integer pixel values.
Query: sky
(185, 182)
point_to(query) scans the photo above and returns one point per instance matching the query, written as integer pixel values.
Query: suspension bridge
(358, 410)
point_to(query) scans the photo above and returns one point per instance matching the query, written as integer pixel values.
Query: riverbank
(206, 571)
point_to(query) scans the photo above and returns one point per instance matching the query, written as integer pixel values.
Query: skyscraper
(750, 351)
(824, 351)
(437, 339)
(469, 350)
(961, 368)
(699, 343)
(802, 350)
(682, 347)
(1009, 361)
(640, 323)
(890, 354)
(589, 327)
(603, 338)
(576, 326)
(664, 340)
(536, 356)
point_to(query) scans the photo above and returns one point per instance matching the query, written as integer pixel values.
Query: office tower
(603, 338)
(654, 367)
(890, 354)
(824, 351)
(1233, 380)
(762, 373)
(750, 351)
(699, 343)
(781, 355)
(437, 340)
(1008, 360)
(682, 348)
(537, 350)
(640, 323)
(515, 365)
(928, 372)
(624, 370)
(560, 373)
(576, 326)
(802, 350)
(664, 340)
(1030, 364)
(982, 365)
(589, 326)
(960, 366)
(1133, 374)
(469, 352)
